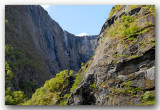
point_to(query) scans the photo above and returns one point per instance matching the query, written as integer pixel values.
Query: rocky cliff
(39, 48)
(123, 67)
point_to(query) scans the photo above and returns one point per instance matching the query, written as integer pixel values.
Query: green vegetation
(148, 98)
(120, 55)
(17, 62)
(50, 93)
(8, 50)
(14, 97)
(77, 81)
(127, 19)
(115, 9)
(152, 8)
(127, 25)
(149, 8)
(58, 82)
(128, 30)
(26, 65)
(153, 44)
(84, 67)
(8, 75)
(64, 99)
(127, 89)
(93, 86)
(82, 64)
(102, 39)
(132, 7)
(134, 56)
(132, 30)
(124, 28)
(11, 97)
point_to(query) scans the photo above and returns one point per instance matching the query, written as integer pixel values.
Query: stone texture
(118, 76)
(30, 26)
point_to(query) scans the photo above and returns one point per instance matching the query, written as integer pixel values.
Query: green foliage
(82, 64)
(65, 99)
(134, 56)
(93, 86)
(142, 42)
(153, 44)
(102, 39)
(16, 63)
(148, 103)
(127, 84)
(152, 8)
(124, 27)
(19, 60)
(14, 97)
(25, 62)
(38, 98)
(127, 25)
(62, 102)
(127, 19)
(148, 98)
(8, 50)
(115, 9)
(11, 97)
(8, 71)
(120, 55)
(77, 81)
(132, 7)
(58, 82)
(149, 8)
(132, 30)
(126, 89)
(147, 24)
(26, 86)
(50, 92)
(22, 55)
(8, 75)
(71, 72)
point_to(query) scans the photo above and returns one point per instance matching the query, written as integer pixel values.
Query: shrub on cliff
(77, 81)
(14, 97)
(49, 94)
(132, 30)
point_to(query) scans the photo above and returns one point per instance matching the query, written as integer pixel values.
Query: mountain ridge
(120, 69)
(123, 67)
(32, 32)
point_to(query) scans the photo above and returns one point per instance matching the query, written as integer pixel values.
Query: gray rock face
(31, 31)
(58, 48)
(78, 49)
(122, 74)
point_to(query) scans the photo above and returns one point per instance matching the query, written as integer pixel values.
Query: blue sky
(79, 19)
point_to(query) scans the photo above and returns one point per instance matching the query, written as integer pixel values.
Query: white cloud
(45, 6)
(82, 34)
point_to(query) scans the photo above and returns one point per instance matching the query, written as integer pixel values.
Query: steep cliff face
(123, 67)
(41, 48)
